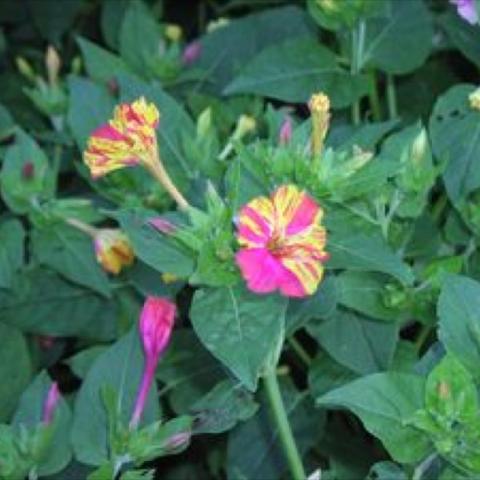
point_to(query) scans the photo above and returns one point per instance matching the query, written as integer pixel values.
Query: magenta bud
(28, 170)
(53, 396)
(179, 440)
(162, 225)
(156, 324)
(285, 134)
(191, 53)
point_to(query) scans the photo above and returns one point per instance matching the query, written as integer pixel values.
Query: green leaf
(140, 36)
(361, 345)
(29, 414)
(363, 292)
(70, 253)
(17, 191)
(222, 408)
(254, 449)
(464, 36)
(89, 432)
(113, 13)
(241, 329)
(101, 65)
(12, 237)
(83, 360)
(15, 369)
(455, 133)
(368, 253)
(41, 302)
(384, 402)
(226, 49)
(160, 251)
(7, 124)
(459, 324)
(90, 106)
(293, 70)
(400, 41)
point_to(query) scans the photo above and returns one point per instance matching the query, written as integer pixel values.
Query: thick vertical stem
(374, 99)
(142, 395)
(391, 97)
(281, 420)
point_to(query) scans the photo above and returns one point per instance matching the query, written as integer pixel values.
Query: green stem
(299, 350)
(358, 43)
(374, 98)
(422, 336)
(281, 420)
(391, 97)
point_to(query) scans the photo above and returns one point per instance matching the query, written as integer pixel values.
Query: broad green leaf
(362, 345)
(464, 36)
(41, 302)
(71, 254)
(384, 402)
(15, 369)
(400, 41)
(188, 371)
(459, 324)
(7, 124)
(364, 292)
(90, 106)
(29, 414)
(368, 253)
(21, 193)
(111, 19)
(227, 49)
(139, 36)
(455, 133)
(325, 374)
(222, 408)
(254, 451)
(241, 329)
(121, 368)
(100, 64)
(12, 237)
(293, 70)
(386, 471)
(156, 249)
(81, 362)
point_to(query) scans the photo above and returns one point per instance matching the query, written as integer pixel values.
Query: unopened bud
(191, 53)
(474, 99)
(173, 32)
(178, 441)
(162, 225)
(319, 106)
(113, 249)
(204, 122)
(76, 67)
(245, 124)
(25, 68)
(419, 147)
(285, 134)
(53, 64)
(217, 24)
(53, 396)
(28, 170)
(169, 278)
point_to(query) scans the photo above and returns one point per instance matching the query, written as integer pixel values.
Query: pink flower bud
(156, 323)
(28, 170)
(285, 133)
(53, 396)
(191, 53)
(45, 341)
(162, 225)
(178, 441)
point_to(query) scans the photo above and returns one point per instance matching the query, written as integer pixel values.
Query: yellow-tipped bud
(173, 32)
(169, 278)
(419, 147)
(245, 124)
(216, 24)
(25, 68)
(204, 122)
(319, 105)
(474, 99)
(53, 64)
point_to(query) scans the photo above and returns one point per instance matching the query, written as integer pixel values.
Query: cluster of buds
(156, 324)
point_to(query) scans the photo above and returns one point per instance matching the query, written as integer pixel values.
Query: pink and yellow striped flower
(282, 243)
(113, 250)
(128, 139)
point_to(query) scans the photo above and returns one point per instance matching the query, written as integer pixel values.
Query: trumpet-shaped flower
(112, 249)
(128, 139)
(156, 324)
(282, 243)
